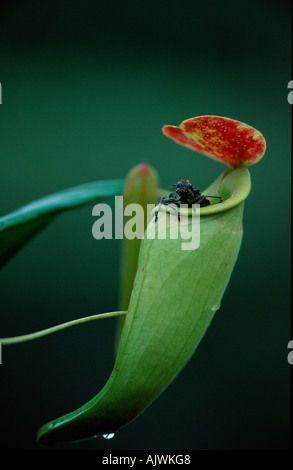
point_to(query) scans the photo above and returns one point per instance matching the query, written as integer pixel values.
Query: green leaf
(21, 225)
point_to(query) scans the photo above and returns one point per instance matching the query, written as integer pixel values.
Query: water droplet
(108, 436)
(216, 307)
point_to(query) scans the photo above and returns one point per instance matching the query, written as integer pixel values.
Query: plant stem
(53, 329)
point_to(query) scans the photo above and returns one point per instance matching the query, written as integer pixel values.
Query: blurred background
(86, 88)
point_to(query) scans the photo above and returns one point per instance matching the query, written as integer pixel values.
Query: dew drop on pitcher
(108, 436)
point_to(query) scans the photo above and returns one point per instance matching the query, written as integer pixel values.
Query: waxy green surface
(175, 296)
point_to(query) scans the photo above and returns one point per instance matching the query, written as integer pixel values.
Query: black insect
(187, 194)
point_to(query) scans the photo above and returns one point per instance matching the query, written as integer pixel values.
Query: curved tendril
(53, 329)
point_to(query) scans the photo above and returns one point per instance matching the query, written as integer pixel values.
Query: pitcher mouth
(233, 186)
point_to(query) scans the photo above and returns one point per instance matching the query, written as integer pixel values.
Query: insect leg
(157, 211)
(175, 210)
(168, 201)
(159, 207)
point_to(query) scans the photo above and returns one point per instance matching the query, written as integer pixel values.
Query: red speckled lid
(231, 142)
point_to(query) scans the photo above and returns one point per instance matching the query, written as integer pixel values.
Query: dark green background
(87, 87)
